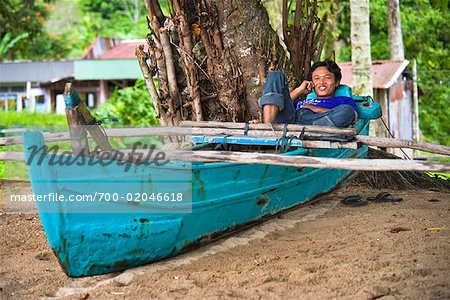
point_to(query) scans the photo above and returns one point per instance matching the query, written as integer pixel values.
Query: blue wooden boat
(98, 237)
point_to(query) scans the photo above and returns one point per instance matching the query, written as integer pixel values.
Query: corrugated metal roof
(124, 50)
(42, 71)
(107, 69)
(384, 72)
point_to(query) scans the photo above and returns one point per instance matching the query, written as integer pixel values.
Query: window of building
(18, 89)
(40, 103)
(90, 100)
(8, 101)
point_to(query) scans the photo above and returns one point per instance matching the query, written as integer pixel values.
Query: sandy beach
(323, 250)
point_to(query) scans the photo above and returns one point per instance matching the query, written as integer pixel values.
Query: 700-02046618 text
(141, 197)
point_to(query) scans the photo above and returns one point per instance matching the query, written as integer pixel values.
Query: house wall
(381, 96)
(19, 96)
(400, 113)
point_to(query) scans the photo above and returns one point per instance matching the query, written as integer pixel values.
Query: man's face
(324, 82)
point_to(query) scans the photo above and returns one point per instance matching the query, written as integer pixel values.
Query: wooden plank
(276, 127)
(116, 132)
(282, 160)
(258, 141)
(12, 156)
(159, 131)
(49, 137)
(255, 133)
(398, 143)
(306, 161)
(13, 130)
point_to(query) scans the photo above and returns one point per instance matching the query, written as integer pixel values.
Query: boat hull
(225, 197)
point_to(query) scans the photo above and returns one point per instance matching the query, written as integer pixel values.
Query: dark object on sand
(384, 197)
(399, 229)
(354, 200)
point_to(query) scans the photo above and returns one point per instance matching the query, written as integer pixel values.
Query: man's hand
(316, 109)
(303, 89)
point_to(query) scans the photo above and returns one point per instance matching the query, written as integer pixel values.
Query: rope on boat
(284, 143)
(246, 128)
(224, 143)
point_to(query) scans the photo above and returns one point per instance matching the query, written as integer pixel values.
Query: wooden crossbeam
(282, 160)
(275, 127)
(398, 143)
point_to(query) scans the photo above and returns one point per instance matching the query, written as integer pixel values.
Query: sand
(324, 250)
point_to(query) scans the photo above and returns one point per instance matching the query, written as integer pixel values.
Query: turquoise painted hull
(225, 197)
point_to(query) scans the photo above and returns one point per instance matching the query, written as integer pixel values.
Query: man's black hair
(330, 65)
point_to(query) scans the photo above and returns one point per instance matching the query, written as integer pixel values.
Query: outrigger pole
(276, 159)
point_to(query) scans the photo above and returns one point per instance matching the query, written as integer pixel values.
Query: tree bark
(395, 30)
(361, 55)
(247, 33)
(211, 57)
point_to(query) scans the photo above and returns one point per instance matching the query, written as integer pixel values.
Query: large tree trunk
(211, 57)
(252, 43)
(361, 55)
(332, 46)
(395, 30)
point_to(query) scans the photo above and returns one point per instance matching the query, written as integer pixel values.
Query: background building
(39, 85)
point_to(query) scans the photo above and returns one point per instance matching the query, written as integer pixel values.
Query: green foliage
(65, 28)
(425, 37)
(14, 119)
(123, 19)
(441, 5)
(6, 43)
(131, 106)
(19, 17)
(25, 118)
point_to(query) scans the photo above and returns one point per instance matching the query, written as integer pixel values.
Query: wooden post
(75, 121)
(93, 128)
(416, 129)
(85, 118)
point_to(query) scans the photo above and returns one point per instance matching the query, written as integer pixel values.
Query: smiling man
(278, 105)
